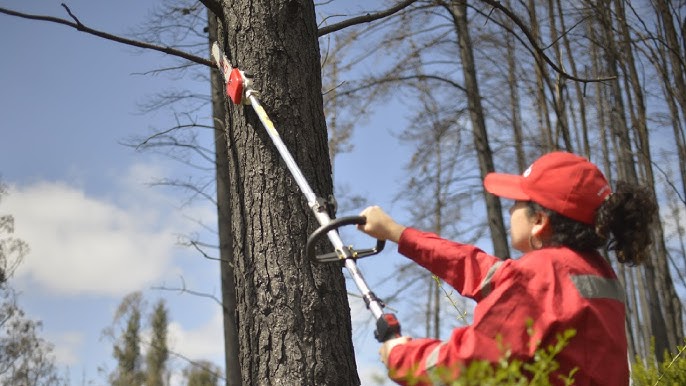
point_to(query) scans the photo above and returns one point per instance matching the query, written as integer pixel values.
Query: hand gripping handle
(335, 256)
(387, 328)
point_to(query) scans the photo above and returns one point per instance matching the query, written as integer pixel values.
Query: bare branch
(365, 18)
(196, 245)
(184, 289)
(529, 36)
(401, 79)
(76, 24)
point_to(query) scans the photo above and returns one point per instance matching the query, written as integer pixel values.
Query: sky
(96, 228)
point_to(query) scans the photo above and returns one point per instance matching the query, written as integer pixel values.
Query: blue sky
(82, 201)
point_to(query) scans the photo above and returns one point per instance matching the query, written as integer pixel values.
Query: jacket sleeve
(500, 326)
(422, 362)
(465, 267)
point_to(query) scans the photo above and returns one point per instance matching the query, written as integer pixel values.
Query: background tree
(127, 350)
(202, 373)
(25, 357)
(158, 353)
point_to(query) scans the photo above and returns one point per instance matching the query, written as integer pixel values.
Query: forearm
(462, 266)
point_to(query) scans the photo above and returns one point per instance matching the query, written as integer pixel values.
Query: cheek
(519, 231)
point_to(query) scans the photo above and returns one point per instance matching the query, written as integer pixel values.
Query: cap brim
(506, 186)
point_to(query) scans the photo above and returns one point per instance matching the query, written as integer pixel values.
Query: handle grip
(387, 328)
(334, 256)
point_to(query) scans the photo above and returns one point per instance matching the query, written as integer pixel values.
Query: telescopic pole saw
(239, 90)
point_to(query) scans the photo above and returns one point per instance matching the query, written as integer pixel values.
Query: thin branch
(567, 31)
(184, 289)
(198, 364)
(165, 134)
(76, 24)
(196, 245)
(365, 18)
(158, 71)
(529, 36)
(400, 79)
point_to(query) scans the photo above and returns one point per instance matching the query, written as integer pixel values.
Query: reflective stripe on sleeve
(432, 359)
(430, 365)
(595, 287)
(485, 286)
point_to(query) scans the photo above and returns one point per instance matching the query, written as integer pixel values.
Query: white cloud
(373, 375)
(86, 245)
(66, 347)
(203, 343)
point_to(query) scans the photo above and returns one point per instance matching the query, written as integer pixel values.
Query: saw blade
(221, 61)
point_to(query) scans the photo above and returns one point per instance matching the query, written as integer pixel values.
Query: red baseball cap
(563, 182)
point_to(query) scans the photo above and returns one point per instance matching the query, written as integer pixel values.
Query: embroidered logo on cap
(527, 171)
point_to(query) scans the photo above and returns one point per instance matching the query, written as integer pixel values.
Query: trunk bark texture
(232, 364)
(294, 324)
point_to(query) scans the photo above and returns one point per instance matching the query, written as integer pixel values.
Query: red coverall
(554, 288)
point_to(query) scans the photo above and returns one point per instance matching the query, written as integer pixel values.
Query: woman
(564, 211)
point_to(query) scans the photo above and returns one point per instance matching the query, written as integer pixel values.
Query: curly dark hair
(622, 224)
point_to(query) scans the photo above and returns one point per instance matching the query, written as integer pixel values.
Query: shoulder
(562, 263)
(550, 262)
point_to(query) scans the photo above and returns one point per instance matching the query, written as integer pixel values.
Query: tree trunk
(544, 125)
(458, 11)
(584, 146)
(294, 321)
(637, 336)
(558, 94)
(232, 363)
(671, 305)
(515, 104)
(674, 49)
(626, 171)
(673, 61)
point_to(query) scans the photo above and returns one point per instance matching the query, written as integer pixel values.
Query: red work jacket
(550, 290)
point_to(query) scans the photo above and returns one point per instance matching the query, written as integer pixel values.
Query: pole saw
(239, 90)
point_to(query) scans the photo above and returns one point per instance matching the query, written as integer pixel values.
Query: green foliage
(510, 371)
(202, 373)
(514, 372)
(158, 353)
(25, 357)
(670, 372)
(127, 351)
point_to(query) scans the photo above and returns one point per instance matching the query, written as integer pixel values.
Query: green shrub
(670, 372)
(511, 371)
(538, 372)
(514, 372)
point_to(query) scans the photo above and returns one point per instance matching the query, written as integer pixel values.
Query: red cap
(563, 182)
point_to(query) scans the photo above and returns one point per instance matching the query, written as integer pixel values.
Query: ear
(541, 225)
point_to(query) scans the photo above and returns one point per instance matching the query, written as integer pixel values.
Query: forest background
(404, 132)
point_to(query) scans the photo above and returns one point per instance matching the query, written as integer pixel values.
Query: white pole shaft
(322, 216)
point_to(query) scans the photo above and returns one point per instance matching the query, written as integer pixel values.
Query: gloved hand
(387, 346)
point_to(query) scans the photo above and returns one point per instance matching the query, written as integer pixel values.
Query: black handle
(335, 224)
(387, 328)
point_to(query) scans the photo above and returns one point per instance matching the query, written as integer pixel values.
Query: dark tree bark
(294, 323)
(224, 226)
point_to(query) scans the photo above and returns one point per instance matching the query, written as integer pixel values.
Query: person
(564, 210)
